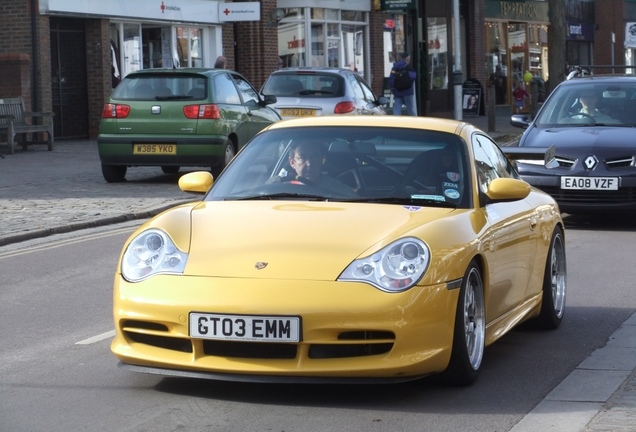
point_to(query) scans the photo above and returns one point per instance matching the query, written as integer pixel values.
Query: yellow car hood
(294, 240)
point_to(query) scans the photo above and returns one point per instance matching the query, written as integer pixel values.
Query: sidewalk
(44, 193)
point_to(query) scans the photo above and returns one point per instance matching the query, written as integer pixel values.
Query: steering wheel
(298, 180)
(582, 114)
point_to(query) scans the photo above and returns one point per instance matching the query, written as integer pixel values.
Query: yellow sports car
(348, 249)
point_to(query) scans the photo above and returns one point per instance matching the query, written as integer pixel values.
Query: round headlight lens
(151, 252)
(396, 267)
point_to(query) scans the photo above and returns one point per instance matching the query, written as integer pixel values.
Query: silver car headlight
(150, 253)
(394, 268)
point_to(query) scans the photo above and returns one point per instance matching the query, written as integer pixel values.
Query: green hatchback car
(179, 117)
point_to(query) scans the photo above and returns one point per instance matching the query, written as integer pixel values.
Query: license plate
(155, 149)
(245, 327)
(297, 112)
(589, 183)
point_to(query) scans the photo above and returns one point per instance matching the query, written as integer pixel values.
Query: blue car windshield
(375, 164)
(587, 103)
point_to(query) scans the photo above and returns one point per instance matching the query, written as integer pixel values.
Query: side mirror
(198, 182)
(269, 99)
(520, 120)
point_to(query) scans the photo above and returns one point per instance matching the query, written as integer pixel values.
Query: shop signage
(518, 10)
(242, 11)
(391, 5)
(630, 35)
(192, 11)
(579, 32)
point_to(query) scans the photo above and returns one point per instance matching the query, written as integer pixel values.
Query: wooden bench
(15, 120)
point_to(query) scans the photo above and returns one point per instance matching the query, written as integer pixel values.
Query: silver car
(311, 91)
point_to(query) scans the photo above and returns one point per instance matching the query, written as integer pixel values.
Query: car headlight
(394, 268)
(150, 253)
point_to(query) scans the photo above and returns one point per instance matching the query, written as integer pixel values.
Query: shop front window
(189, 46)
(518, 50)
(132, 48)
(437, 53)
(317, 45)
(353, 52)
(337, 38)
(497, 60)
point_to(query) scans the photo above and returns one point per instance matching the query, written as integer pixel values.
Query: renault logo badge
(590, 162)
(260, 265)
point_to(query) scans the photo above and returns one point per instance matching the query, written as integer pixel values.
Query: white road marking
(94, 339)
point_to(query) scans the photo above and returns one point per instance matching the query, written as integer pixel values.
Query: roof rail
(586, 70)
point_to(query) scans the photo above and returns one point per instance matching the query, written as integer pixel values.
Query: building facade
(65, 56)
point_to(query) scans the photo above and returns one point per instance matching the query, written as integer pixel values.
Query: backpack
(402, 80)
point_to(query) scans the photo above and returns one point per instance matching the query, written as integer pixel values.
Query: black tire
(228, 155)
(114, 173)
(469, 335)
(170, 169)
(554, 284)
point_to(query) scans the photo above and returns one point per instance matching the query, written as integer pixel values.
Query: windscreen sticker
(452, 193)
(429, 197)
(453, 176)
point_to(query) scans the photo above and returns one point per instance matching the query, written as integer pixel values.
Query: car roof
(302, 69)
(424, 123)
(599, 79)
(155, 71)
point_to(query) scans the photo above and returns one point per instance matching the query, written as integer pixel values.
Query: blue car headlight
(150, 253)
(394, 268)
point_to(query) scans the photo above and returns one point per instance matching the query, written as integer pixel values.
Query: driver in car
(588, 101)
(306, 159)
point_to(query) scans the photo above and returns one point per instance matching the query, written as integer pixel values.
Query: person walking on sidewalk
(401, 82)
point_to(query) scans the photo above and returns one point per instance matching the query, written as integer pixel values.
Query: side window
(368, 93)
(250, 97)
(355, 86)
(225, 91)
(490, 162)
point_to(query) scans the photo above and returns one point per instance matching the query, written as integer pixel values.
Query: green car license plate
(155, 149)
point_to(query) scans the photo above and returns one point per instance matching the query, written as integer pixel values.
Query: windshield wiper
(279, 195)
(400, 200)
(173, 97)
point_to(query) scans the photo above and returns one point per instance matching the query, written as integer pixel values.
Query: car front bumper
(348, 330)
(577, 201)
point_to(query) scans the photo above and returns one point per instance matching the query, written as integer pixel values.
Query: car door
(234, 115)
(373, 104)
(511, 239)
(258, 113)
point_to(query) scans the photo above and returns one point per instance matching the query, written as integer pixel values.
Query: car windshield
(151, 87)
(309, 84)
(587, 103)
(372, 164)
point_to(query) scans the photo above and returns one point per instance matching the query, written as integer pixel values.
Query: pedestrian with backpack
(401, 83)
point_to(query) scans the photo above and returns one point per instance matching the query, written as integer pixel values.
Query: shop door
(68, 78)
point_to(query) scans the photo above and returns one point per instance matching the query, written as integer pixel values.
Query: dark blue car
(591, 122)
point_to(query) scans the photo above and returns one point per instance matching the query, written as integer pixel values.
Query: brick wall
(376, 42)
(476, 45)
(258, 42)
(15, 51)
(609, 16)
(98, 70)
